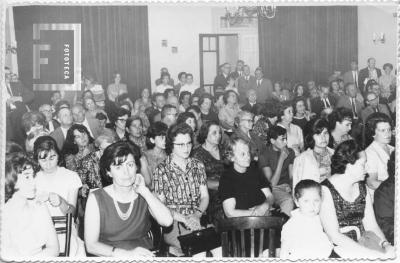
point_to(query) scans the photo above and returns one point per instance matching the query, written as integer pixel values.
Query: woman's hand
(193, 223)
(139, 186)
(42, 197)
(84, 190)
(54, 199)
(141, 252)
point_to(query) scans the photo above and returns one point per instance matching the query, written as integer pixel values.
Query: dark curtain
(117, 39)
(113, 39)
(304, 43)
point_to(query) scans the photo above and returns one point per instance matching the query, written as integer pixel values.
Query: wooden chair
(236, 231)
(64, 229)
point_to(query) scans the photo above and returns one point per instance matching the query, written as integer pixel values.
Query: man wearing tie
(351, 76)
(239, 69)
(221, 80)
(373, 105)
(244, 83)
(324, 103)
(350, 101)
(368, 73)
(263, 86)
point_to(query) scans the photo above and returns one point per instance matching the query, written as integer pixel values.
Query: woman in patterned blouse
(180, 183)
(346, 209)
(135, 129)
(78, 144)
(211, 153)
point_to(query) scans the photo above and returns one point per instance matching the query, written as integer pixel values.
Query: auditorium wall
(180, 26)
(377, 19)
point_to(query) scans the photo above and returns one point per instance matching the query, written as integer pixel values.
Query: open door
(216, 49)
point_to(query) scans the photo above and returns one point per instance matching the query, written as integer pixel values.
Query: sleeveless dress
(349, 213)
(116, 232)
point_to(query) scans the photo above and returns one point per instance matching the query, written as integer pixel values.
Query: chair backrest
(236, 232)
(65, 228)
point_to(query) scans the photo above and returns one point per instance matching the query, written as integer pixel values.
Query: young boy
(302, 236)
(276, 163)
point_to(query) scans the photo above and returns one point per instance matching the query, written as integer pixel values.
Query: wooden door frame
(201, 36)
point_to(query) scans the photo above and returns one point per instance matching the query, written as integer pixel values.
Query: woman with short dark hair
(117, 216)
(179, 173)
(57, 187)
(346, 211)
(340, 121)
(212, 153)
(155, 141)
(27, 229)
(315, 162)
(206, 108)
(378, 129)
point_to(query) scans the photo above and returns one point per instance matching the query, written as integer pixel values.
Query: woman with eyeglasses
(27, 229)
(121, 118)
(180, 183)
(117, 216)
(245, 121)
(378, 134)
(57, 187)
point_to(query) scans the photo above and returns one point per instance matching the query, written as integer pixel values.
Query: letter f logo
(37, 60)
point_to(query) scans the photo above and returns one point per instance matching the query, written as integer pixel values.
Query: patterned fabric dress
(349, 213)
(214, 169)
(324, 161)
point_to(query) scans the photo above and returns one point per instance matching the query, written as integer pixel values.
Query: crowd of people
(182, 158)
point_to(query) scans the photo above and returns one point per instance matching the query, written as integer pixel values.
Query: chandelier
(237, 14)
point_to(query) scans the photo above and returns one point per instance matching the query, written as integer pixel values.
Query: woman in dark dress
(117, 217)
(211, 153)
(346, 210)
(206, 108)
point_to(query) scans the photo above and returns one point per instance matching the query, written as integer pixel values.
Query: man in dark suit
(17, 100)
(51, 124)
(350, 101)
(221, 80)
(251, 105)
(158, 100)
(373, 105)
(351, 76)
(324, 103)
(245, 82)
(181, 82)
(263, 86)
(93, 126)
(239, 69)
(64, 114)
(368, 73)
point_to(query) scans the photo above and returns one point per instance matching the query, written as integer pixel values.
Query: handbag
(199, 241)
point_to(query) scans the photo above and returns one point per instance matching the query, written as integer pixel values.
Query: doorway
(216, 49)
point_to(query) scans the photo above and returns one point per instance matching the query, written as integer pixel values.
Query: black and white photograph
(197, 130)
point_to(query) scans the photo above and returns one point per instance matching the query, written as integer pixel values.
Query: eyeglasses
(181, 145)
(122, 120)
(49, 158)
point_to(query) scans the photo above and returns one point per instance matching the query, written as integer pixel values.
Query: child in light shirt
(302, 236)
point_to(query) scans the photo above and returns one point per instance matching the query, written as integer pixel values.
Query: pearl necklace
(122, 215)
